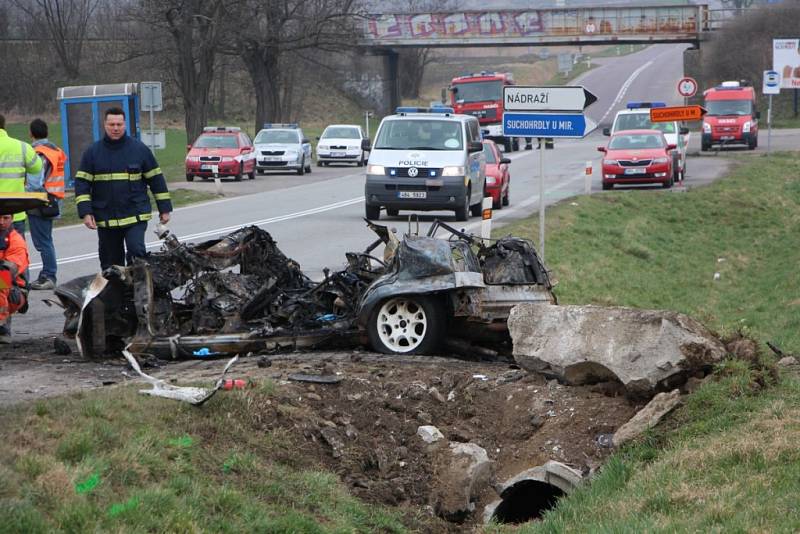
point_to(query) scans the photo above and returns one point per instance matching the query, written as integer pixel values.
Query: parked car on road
(636, 116)
(283, 146)
(498, 177)
(341, 143)
(221, 151)
(637, 157)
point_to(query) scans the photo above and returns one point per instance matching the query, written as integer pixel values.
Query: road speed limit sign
(687, 87)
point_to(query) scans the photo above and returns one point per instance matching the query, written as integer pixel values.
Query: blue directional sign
(569, 125)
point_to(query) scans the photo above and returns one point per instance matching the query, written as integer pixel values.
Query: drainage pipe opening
(525, 501)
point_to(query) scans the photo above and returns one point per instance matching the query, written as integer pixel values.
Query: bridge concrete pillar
(392, 70)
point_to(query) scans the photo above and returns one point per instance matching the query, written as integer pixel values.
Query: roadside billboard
(786, 61)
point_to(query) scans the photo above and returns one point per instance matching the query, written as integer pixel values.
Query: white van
(426, 159)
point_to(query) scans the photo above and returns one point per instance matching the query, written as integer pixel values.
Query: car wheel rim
(402, 325)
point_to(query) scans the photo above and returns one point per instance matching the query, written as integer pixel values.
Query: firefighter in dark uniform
(111, 191)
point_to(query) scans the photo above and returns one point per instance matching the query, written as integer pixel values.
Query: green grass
(110, 461)
(659, 249)
(727, 461)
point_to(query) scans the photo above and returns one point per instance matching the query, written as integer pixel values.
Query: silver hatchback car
(282, 147)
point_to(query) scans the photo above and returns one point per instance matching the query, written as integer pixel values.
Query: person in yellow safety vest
(13, 263)
(51, 181)
(16, 159)
(111, 191)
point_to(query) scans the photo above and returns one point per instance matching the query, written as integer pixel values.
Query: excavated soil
(364, 427)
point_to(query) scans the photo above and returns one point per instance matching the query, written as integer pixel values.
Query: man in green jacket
(16, 159)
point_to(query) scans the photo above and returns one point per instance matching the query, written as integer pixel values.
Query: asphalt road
(318, 217)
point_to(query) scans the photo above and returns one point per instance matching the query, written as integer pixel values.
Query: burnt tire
(302, 170)
(506, 199)
(408, 324)
(190, 178)
(373, 213)
(392, 212)
(607, 187)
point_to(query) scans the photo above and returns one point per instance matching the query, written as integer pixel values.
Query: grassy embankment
(111, 460)
(728, 461)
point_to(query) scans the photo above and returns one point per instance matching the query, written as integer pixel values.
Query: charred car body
(188, 300)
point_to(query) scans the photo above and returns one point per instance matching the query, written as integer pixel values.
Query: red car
(221, 151)
(637, 157)
(498, 179)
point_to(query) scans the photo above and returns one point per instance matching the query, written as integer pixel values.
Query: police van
(426, 159)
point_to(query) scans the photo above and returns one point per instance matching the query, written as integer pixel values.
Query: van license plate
(412, 194)
(636, 171)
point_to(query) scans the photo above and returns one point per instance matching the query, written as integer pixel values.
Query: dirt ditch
(364, 428)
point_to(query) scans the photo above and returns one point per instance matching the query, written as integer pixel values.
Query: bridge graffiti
(511, 24)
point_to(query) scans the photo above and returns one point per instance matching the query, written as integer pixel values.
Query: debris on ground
(646, 350)
(192, 395)
(463, 472)
(647, 417)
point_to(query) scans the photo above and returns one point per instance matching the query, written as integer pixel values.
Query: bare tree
(66, 23)
(414, 61)
(195, 29)
(272, 33)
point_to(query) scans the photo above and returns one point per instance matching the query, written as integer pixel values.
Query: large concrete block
(646, 350)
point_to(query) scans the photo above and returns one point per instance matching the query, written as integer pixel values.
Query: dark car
(637, 157)
(221, 151)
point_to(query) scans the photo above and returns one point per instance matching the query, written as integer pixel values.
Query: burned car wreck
(241, 294)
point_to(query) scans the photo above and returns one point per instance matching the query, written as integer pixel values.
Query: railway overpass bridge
(384, 34)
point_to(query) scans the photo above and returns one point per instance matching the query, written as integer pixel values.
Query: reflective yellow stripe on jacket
(107, 177)
(114, 223)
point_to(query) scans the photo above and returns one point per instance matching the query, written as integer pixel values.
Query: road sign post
(151, 101)
(543, 112)
(771, 86)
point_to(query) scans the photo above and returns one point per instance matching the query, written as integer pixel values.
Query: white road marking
(217, 231)
(624, 89)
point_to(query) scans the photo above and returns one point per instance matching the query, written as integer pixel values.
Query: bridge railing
(499, 26)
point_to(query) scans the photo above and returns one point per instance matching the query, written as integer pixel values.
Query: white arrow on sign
(555, 98)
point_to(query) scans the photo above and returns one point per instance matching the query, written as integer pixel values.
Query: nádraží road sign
(565, 125)
(555, 98)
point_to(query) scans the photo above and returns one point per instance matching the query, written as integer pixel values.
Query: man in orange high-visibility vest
(13, 263)
(50, 180)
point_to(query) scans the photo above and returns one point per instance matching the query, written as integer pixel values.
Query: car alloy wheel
(405, 325)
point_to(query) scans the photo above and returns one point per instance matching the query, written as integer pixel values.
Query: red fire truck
(731, 117)
(481, 94)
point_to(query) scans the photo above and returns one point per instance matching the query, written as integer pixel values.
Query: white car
(341, 143)
(636, 116)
